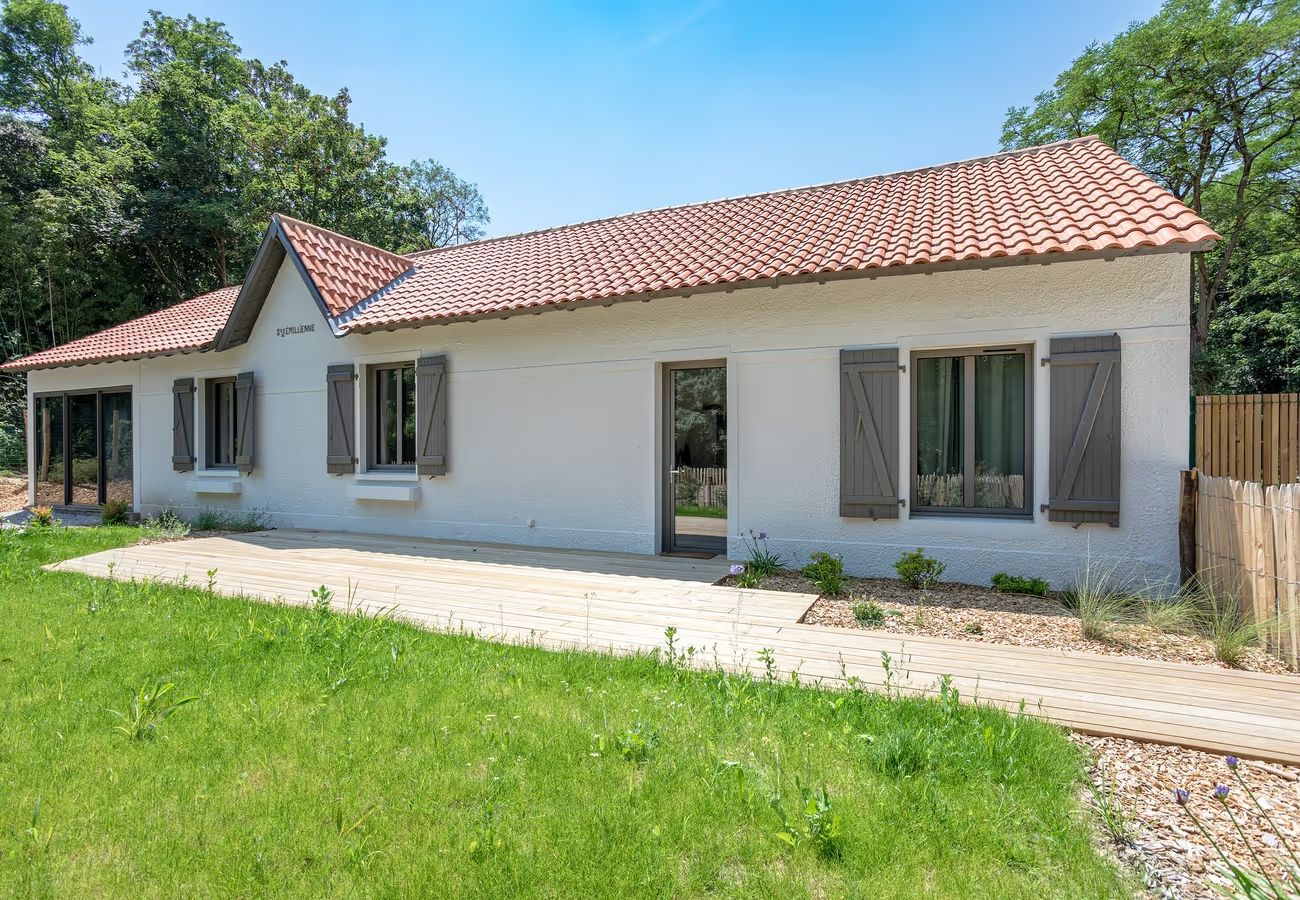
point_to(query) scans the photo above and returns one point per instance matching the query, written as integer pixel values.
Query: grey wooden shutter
(1085, 430)
(244, 420)
(869, 433)
(431, 415)
(183, 424)
(341, 420)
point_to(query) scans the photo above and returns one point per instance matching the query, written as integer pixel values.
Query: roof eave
(820, 277)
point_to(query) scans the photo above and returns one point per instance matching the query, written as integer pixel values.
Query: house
(987, 359)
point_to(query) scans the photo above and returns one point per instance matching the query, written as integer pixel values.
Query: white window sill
(384, 491)
(218, 473)
(210, 483)
(380, 475)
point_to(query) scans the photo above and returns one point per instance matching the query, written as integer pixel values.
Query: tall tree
(1205, 97)
(444, 208)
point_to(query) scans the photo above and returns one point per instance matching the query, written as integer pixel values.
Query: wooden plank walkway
(623, 603)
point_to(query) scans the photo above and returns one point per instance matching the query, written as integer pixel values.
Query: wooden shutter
(341, 420)
(1085, 430)
(431, 415)
(244, 419)
(869, 433)
(183, 424)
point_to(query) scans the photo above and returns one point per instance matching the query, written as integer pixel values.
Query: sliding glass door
(83, 447)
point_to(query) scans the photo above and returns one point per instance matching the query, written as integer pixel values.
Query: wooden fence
(701, 486)
(1250, 437)
(1248, 546)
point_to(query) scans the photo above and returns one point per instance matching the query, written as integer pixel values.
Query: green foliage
(210, 519)
(1098, 602)
(826, 572)
(1205, 97)
(1017, 584)
(115, 512)
(150, 706)
(973, 628)
(119, 198)
(869, 613)
(917, 570)
(817, 824)
(455, 766)
(167, 523)
(1231, 627)
(762, 561)
(42, 517)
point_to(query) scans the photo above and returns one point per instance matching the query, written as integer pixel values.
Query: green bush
(1018, 584)
(826, 572)
(917, 570)
(115, 512)
(42, 517)
(869, 613)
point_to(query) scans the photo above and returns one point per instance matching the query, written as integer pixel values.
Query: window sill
(978, 515)
(217, 472)
(388, 492)
(217, 483)
(388, 475)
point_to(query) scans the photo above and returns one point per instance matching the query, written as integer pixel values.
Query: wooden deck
(623, 603)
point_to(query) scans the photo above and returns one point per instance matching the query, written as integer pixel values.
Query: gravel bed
(1162, 840)
(13, 494)
(950, 609)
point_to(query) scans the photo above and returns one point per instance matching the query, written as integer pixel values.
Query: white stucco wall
(554, 419)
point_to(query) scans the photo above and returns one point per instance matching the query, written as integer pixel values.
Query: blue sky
(562, 112)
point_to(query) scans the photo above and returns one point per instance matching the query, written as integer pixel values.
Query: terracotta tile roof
(345, 271)
(189, 325)
(1072, 196)
(1075, 196)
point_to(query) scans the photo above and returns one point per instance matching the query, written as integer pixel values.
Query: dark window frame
(65, 429)
(968, 356)
(376, 413)
(229, 415)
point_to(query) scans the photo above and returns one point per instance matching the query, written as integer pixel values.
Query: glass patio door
(696, 483)
(83, 444)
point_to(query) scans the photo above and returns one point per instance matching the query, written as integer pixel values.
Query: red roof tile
(1073, 196)
(189, 325)
(345, 271)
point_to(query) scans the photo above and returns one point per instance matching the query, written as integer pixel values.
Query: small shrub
(917, 570)
(1098, 604)
(762, 561)
(235, 520)
(827, 573)
(167, 523)
(150, 707)
(745, 577)
(1018, 584)
(974, 628)
(42, 517)
(869, 613)
(115, 512)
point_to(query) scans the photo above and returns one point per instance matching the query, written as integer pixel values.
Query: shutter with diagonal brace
(340, 416)
(183, 424)
(431, 415)
(1085, 430)
(244, 421)
(869, 433)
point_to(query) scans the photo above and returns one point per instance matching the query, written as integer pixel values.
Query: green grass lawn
(708, 512)
(331, 755)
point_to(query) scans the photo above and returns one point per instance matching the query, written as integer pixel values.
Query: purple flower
(737, 569)
(1232, 762)
(762, 535)
(1181, 796)
(1220, 792)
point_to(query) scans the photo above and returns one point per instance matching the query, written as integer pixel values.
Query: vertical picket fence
(1250, 437)
(1248, 545)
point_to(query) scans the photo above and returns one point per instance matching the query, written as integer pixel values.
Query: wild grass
(210, 519)
(708, 512)
(1099, 603)
(331, 754)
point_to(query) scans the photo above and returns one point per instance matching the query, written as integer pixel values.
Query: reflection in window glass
(117, 447)
(83, 440)
(1000, 431)
(49, 451)
(939, 431)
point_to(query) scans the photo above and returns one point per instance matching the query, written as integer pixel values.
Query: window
(971, 431)
(391, 415)
(221, 402)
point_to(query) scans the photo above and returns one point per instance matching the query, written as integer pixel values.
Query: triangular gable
(339, 273)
